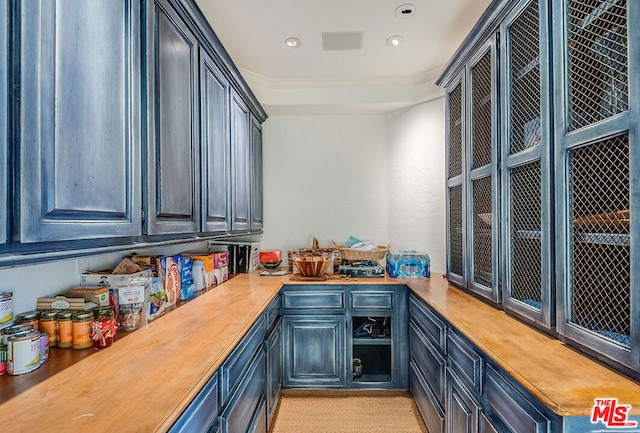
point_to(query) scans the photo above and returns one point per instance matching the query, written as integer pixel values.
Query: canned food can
(11, 330)
(6, 309)
(23, 352)
(44, 347)
(29, 318)
(49, 324)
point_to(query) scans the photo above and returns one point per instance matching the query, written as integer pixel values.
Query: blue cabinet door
(80, 130)
(274, 369)
(173, 204)
(240, 165)
(315, 351)
(463, 408)
(215, 146)
(5, 207)
(256, 175)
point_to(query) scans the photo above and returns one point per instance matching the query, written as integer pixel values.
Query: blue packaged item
(187, 286)
(408, 264)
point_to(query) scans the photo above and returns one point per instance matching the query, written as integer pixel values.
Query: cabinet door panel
(5, 208)
(315, 351)
(463, 411)
(214, 114)
(80, 125)
(173, 152)
(240, 168)
(274, 370)
(429, 407)
(256, 175)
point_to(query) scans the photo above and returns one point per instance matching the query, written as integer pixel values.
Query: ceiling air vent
(341, 41)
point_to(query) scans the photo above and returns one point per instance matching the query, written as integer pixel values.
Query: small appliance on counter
(269, 261)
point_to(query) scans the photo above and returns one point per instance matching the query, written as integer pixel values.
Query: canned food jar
(23, 352)
(82, 329)
(3, 360)
(15, 329)
(30, 317)
(6, 309)
(49, 324)
(65, 329)
(103, 328)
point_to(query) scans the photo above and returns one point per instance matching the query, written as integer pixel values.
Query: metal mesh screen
(524, 52)
(597, 60)
(455, 229)
(600, 266)
(481, 99)
(526, 250)
(482, 222)
(455, 131)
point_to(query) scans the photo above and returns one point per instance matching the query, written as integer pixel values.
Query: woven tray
(356, 254)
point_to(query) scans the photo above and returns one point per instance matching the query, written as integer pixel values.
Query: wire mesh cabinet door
(596, 160)
(456, 249)
(526, 170)
(482, 179)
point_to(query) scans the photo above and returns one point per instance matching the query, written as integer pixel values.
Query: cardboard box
(221, 275)
(170, 270)
(147, 262)
(212, 261)
(106, 278)
(63, 303)
(99, 295)
(244, 257)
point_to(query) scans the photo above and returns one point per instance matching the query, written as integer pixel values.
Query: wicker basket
(356, 254)
(312, 266)
(315, 250)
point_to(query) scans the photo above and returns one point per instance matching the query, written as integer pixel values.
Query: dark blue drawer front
(235, 365)
(372, 300)
(511, 407)
(431, 364)
(239, 414)
(433, 328)
(314, 300)
(202, 412)
(465, 361)
(427, 404)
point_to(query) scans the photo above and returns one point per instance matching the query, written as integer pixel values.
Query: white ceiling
(308, 80)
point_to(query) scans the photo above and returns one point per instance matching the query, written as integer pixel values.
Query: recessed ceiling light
(395, 40)
(292, 42)
(405, 10)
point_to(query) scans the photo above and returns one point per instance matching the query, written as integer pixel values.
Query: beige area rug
(345, 411)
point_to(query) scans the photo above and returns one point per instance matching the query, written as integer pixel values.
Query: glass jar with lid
(82, 329)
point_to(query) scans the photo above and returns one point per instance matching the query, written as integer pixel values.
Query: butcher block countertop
(147, 379)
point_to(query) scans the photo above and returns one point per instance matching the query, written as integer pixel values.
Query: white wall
(416, 180)
(377, 177)
(324, 177)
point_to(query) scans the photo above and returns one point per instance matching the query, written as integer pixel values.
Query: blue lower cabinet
(511, 408)
(429, 361)
(273, 345)
(463, 408)
(202, 413)
(430, 409)
(259, 423)
(239, 415)
(315, 351)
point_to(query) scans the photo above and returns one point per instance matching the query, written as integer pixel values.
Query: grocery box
(170, 270)
(99, 295)
(147, 262)
(106, 278)
(212, 261)
(221, 275)
(62, 303)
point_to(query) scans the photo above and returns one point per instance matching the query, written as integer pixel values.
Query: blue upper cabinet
(526, 169)
(256, 175)
(80, 132)
(4, 141)
(240, 164)
(173, 203)
(472, 185)
(596, 159)
(215, 146)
